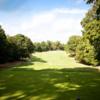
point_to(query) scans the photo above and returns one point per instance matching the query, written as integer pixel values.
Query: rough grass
(50, 76)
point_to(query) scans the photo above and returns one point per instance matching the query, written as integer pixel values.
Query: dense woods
(14, 47)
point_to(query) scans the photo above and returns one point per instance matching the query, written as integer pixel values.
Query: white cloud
(56, 24)
(79, 1)
(69, 11)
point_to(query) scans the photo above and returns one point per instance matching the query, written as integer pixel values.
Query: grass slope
(50, 76)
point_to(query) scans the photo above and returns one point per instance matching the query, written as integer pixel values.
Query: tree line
(14, 47)
(18, 47)
(47, 45)
(86, 48)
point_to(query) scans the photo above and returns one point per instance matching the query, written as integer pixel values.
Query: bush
(85, 53)
(92, 33)
(22, 45)
(72, 44)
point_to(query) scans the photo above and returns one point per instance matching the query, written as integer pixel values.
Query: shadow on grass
(36, 59)
(21, 63)
(30, 61)
(50, 84)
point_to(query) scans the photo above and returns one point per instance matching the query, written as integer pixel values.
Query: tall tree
(72, 44)
(23, 45)
(91, 35)
(85, 53)
(3, 46)
(95, 7)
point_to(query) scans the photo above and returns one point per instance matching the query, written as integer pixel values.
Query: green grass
(52, 59)
(50, 76)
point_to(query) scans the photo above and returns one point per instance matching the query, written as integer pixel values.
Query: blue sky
(43, 19)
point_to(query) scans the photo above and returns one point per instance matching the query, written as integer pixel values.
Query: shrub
(72, 44)
(85, 53)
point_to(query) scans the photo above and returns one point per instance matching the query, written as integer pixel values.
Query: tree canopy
(3, 46)
(72, 44)
(88, 49)
(14, 47)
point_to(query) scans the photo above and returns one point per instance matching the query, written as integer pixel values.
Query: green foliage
(88, 51)
(93, 13)
(58, 45)
(89, 1)
(23, 44)
(3, 46)
(85, 53)
(72, 44)
(12, 49)
(89, 17)
(15, 47)
(92, 33)
(48, 45)
(37, 47)
(44, 46)
(2, 35)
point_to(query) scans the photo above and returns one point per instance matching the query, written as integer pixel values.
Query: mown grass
(50, 76)
(52, 59)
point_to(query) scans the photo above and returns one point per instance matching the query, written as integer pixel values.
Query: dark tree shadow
(36, 59)
(50, 84)
(25, 62)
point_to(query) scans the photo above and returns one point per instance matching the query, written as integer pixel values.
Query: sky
(43, 20)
